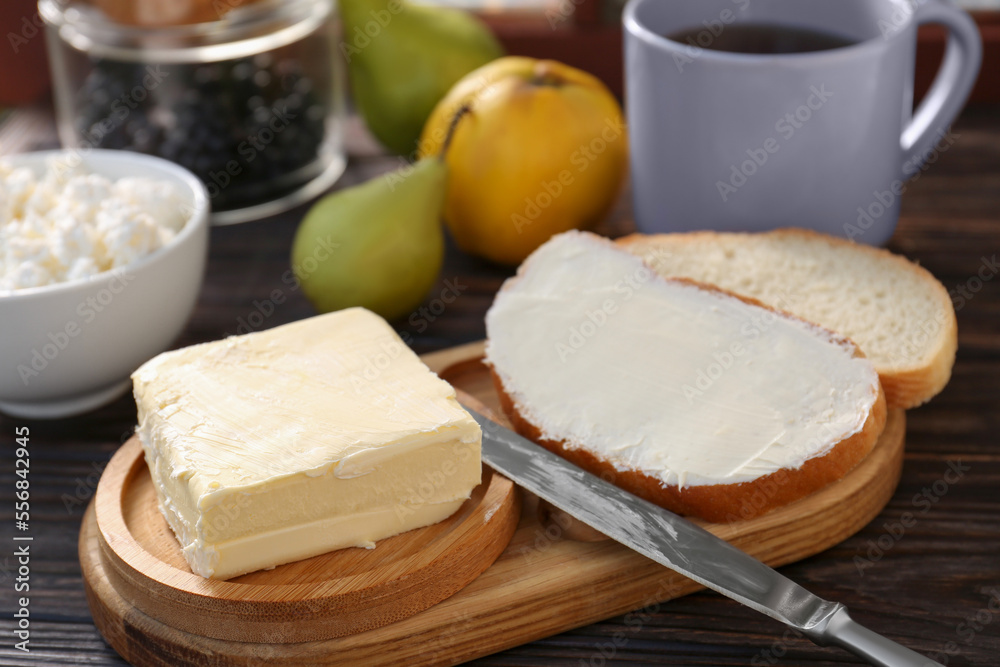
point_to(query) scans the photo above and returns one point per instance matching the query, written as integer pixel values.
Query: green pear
(403, 58)
(379, 244)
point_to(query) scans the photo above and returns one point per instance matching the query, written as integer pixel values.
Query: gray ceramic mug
(824, 139)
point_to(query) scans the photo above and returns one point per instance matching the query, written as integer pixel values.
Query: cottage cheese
(69, 224)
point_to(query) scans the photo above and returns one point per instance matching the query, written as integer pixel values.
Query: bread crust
(717, 503)
(904, 386)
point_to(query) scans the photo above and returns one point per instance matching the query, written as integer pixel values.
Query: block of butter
(313, 436)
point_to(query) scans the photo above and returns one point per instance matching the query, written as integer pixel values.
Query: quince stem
(452, 126)
(545, 75)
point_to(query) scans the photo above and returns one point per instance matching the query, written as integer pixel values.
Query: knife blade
(682, 546)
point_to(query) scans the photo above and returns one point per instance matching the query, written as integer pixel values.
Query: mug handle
(951, 85)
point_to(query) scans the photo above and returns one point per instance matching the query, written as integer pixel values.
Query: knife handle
(843, 631)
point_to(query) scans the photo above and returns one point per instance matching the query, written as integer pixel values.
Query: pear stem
(462, 110)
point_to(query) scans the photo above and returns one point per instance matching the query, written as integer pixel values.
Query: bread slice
(896, 311)
(706, 403)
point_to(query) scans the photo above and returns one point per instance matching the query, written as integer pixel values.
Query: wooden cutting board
(553, 575)
(335, 594)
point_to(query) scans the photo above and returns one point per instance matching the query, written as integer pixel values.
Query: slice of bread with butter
(694, 398)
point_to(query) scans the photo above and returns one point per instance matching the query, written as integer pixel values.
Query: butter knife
(683, 547)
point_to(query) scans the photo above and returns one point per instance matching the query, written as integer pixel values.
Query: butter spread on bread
(687, 395)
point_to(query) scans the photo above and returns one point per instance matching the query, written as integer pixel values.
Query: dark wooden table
(935, 587)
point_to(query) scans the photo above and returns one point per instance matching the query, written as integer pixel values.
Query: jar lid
(239, 29)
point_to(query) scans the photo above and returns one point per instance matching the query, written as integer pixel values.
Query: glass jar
(252, 102)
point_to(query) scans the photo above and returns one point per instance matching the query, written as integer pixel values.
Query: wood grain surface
(546, 581)
(925, 586)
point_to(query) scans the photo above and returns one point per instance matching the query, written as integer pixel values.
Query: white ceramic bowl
(71, 347)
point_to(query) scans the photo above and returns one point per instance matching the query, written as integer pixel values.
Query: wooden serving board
(338, 593)
(552, 576)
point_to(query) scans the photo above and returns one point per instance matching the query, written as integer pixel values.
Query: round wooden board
(338, 593)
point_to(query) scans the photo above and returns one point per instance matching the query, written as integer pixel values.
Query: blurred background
(582, 33)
